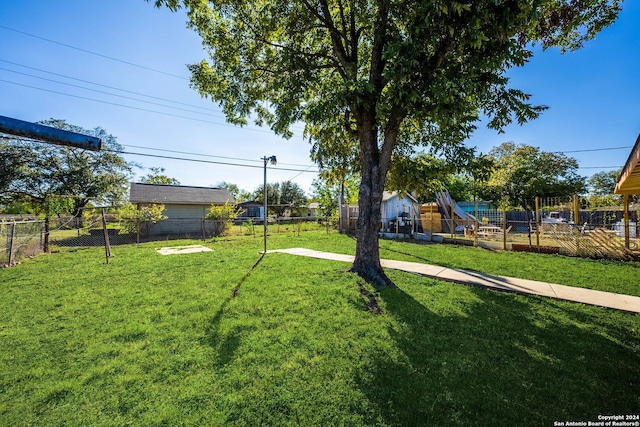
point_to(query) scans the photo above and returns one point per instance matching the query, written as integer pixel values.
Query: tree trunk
(375, 164)
(367, 260)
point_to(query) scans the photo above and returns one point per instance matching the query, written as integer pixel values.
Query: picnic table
(489, 231)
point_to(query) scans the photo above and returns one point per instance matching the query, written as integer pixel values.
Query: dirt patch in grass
(371, 300)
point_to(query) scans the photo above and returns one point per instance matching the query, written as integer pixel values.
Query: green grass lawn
(151, 340)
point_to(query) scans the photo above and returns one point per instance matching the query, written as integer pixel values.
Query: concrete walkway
(502, 283)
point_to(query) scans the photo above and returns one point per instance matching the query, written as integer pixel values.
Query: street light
(273, 161)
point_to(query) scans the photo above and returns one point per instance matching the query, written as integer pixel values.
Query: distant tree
(460, 187)
(425, 174)
(38, 170)
(601, 190)
(282, 196)
(157, 176)
(238, 194)
(523, 172)
(328, 195)
(293, 195)
(12, 158)
(603, 183)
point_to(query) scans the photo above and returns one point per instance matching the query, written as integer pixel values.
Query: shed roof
(629, 179)
(178, 194)
(386, 195)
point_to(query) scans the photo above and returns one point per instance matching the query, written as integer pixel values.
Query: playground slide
(444, 201)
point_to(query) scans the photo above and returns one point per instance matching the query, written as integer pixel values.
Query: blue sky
(593, 94)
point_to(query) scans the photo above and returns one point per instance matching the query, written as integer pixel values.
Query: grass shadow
(497, 359)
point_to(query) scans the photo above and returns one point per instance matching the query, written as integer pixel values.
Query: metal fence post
(11, 239)
(504, 228)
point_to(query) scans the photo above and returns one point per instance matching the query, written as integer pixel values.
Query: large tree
(523, 172)
(392, 72)
(40, 170)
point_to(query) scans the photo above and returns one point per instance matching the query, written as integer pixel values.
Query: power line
(103, 85)
(94, 53)
(208, 161)
(188, 153)
(595, 149)
(209, 155)
(216, 115)
(300, 173)
(599, 167)
(135, 108)
(238, 164)
(109, 93)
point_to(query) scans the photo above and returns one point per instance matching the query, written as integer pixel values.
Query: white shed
(400, 212)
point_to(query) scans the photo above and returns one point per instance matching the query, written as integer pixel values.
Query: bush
(222, 216)
(147, 216)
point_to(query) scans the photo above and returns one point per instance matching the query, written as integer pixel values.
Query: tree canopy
(389, 74)
(603, 183)
(523, 172)
(156, 175)
(286, 195)
(238, 194)
(38, 171)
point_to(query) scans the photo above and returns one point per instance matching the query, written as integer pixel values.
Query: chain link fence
(87, 229)
(20, 239)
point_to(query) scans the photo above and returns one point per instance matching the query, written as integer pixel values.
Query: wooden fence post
(626, 221)
(475, 225)
(107, 247)
(576, 220)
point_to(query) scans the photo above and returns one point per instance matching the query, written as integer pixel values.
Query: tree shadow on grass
(501, 359)
(226, 343)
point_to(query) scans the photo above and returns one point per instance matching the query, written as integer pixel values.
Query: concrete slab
(183, 250)
(602, 299)
(502, 283)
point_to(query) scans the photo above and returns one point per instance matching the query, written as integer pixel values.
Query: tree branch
(337, 37)
(379, 41)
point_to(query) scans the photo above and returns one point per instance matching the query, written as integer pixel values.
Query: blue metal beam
(49, 134)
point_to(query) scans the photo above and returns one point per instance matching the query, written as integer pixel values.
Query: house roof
(629, 179)
(178, 194)
(250, 203)
(386, 195)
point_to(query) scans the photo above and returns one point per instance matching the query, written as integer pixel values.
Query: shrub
(147, 216)
(222, 216)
